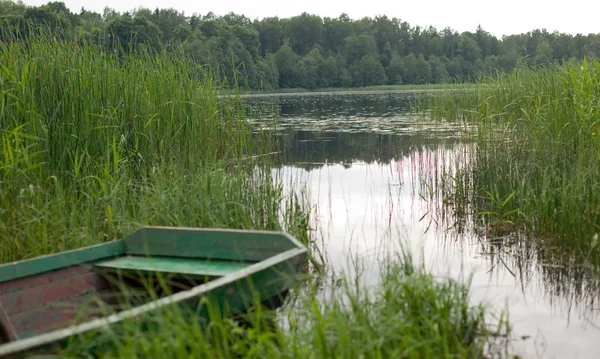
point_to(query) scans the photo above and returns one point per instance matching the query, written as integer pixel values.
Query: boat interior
(42, 303)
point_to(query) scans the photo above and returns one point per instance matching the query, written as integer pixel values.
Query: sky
(503, 17)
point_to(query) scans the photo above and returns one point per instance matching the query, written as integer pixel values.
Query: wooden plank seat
(193, 267)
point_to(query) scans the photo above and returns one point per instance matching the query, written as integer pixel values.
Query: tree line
(305, 51)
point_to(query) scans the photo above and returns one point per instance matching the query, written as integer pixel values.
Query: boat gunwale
(56, 261)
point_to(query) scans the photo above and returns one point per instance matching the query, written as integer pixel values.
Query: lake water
(366, 161)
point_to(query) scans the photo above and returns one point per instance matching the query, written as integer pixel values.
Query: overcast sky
(497, 17)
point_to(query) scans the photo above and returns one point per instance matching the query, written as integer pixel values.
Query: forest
(304, 51)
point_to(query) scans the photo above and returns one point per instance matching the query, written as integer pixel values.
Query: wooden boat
(46, 300)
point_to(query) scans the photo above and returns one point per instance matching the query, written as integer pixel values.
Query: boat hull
(48, 300)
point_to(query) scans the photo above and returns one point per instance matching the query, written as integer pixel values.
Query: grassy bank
(96, 144)
(536, 166)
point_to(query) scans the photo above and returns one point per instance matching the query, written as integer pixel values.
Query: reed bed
(95, 144)
(536, 165)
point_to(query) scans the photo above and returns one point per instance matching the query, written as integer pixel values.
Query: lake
(372, 172)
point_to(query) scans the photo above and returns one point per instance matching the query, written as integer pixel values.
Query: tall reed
(536, 165)
(96, 143)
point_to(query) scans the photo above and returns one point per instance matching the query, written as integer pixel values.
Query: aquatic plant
(537, 144)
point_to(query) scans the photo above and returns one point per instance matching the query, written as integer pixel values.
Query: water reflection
(376, 186)
(386, 113)
(313, 149)
(331, 105)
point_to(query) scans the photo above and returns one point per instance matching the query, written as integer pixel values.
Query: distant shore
(357, 90)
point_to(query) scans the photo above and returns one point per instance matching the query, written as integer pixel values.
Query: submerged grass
(536, 166)
(96, 144)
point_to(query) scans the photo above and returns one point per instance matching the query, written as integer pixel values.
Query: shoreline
(353, 91)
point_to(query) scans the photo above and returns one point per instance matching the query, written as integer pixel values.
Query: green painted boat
(46, 300)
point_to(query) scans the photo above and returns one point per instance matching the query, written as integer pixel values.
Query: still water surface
(365, 161)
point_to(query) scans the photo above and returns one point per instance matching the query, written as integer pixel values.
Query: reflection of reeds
(561, 278)
(567, 286)
(529, 189)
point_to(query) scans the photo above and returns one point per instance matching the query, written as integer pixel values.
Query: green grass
(96, 144)
(410, 315)
(536, 166)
